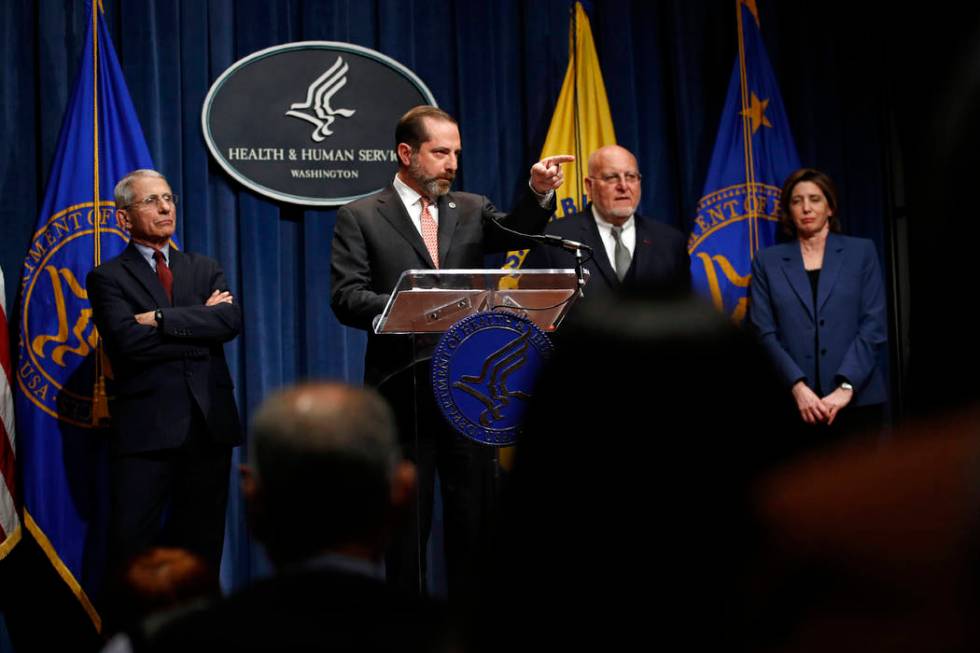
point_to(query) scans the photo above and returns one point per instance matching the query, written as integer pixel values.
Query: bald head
(324, 456)
(326, 418)
(613, 183)
(610, 155)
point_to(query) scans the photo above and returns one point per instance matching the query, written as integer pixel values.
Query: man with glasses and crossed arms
(164, 316)
(629, 251)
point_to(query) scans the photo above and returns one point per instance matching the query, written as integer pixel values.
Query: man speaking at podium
(417, 223)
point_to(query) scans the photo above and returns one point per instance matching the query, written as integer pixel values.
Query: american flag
(9, 520)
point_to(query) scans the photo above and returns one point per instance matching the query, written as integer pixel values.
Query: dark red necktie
(165, 275)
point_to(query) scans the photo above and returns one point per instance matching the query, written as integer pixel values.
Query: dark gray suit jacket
(307, 610)
(375, 241)
(660, 258)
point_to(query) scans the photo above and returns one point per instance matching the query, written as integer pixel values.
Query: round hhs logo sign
(312, 122)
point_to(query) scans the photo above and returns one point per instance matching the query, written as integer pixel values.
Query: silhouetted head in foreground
(630, 513)
(326, 473)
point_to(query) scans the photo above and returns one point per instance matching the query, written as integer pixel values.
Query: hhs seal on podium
(483, 374)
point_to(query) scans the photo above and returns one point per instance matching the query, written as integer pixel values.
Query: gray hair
(123, 191)
(324, 455)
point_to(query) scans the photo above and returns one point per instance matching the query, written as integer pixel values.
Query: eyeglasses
(626, 178)
(153, 200)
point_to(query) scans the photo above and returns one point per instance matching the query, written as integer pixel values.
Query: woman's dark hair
(823, 182)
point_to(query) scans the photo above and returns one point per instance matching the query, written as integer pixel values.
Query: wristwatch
(843, 386)
(158, 316)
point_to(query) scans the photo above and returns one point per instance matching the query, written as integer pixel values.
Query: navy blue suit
(173, 411)
(849, 316)
(659, 259)
(161, 376)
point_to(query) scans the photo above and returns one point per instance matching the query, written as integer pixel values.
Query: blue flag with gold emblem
(60, 394)
(738, 213)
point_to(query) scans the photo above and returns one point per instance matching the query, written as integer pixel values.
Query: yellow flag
(581, 123)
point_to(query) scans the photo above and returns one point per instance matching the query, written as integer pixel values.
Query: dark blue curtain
(497, 65)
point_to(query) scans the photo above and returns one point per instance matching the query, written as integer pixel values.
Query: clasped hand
(817, 410)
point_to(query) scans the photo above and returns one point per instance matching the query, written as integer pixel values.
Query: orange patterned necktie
(430, 232)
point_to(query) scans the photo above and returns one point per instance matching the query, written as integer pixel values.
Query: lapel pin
(452, 205)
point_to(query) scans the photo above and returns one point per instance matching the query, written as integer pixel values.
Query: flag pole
(100, 402)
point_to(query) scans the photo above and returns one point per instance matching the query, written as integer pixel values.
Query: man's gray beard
(616, 215)
(434, 186)
(623, 213)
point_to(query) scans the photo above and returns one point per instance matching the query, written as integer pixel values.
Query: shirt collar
(606, 226)
(147, 251)
(408, 194)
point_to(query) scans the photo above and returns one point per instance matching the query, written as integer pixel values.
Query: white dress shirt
(605, 232)
(410, 198)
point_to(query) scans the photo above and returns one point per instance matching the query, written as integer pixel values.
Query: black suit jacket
(310, 610)
(160, 375)
(660, 259)
(375, 241)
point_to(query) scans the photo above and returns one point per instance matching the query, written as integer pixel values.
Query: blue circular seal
(483, 373)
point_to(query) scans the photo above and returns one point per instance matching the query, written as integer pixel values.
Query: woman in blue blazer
(818, 307)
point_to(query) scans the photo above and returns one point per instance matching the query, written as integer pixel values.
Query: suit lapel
(792, 261)
(600, 260)
(391, 208)
(833, 257)
(137, 266)
(183, 283)
(642, 249)
(448, 218)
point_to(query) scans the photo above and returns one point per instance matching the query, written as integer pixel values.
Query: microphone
(558, 241)
(551, 240)
(544, 239)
